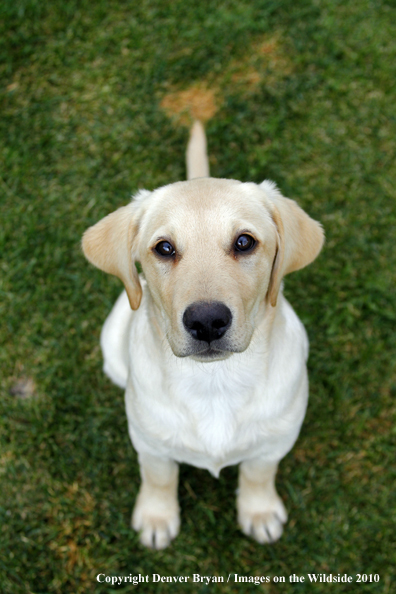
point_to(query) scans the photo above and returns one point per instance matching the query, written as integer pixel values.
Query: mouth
(211, 354)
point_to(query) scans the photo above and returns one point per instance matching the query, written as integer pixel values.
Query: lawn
(96, 99)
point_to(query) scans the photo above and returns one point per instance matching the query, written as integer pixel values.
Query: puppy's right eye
(164, 248)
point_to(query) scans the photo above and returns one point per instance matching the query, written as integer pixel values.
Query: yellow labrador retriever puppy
(212, 356)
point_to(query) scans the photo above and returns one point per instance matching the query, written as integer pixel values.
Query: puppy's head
(213, 253)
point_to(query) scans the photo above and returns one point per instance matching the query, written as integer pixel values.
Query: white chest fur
(215, 414)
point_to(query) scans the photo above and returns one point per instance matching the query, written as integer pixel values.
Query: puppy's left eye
(244, 243)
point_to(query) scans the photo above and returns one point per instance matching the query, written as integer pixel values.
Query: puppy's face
(207, 249)
(213, 253)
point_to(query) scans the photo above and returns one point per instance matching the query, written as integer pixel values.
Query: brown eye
(244, 243)
(164, 248)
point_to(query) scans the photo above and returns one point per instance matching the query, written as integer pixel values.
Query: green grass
(81, 128)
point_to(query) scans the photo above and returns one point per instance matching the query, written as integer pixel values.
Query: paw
(158, 524)
(264, 525)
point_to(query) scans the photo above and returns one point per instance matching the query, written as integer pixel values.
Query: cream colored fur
(240, 403)
(197, 162)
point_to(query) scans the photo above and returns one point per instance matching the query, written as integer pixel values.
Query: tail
(196, 156)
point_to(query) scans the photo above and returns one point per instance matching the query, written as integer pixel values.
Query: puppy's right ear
(110, 245)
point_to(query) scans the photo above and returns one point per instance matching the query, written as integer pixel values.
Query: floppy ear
(109, 246)
(300, 239)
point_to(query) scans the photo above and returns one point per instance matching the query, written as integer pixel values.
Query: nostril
(196, 329)
(207, 321)
(219, 323)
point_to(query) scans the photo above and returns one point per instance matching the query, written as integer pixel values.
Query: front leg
(156, 511)
(261, 513)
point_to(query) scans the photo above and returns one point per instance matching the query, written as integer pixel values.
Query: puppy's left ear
(300, 238)
(110, 244)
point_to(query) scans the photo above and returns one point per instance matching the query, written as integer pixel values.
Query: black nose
(207, 320)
